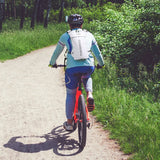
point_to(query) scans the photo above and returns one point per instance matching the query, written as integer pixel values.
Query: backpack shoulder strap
(85, 30)
(69, 42)
(68, 31)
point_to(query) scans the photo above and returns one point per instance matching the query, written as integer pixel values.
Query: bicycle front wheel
(82, 128)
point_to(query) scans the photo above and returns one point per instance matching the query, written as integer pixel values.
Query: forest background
(127, 90)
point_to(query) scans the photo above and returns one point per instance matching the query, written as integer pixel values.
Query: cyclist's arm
(97, 53)
(59, 48)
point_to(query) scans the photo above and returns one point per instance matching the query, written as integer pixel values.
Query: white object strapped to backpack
(81, 44)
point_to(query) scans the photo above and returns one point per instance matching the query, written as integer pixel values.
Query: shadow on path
(58, 140)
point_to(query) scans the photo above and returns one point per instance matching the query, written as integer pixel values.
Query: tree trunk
(8, 11)
(117, 1)
(4, 14)
(101, 2)
(1, 16)
(95, 2)
(22, 15)
(40, 12)
(13, 9)
(47, 16)
(74, 4)
(34, 13)
(61, 11)
(92, 2)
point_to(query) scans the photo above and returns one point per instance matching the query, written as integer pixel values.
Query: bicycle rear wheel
(82, 128)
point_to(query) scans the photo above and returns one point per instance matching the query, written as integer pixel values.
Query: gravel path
(32, 111)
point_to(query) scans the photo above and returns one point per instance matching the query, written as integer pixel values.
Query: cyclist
(76, 64)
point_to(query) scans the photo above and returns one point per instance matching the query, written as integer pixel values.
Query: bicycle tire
(82, 123)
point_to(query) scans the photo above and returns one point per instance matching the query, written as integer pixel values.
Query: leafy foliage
(15, 42)
(131, 37)
(127, 91)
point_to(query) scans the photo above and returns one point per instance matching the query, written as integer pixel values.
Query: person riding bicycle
(80, 60)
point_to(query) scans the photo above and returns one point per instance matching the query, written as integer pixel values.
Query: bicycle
(81, 115)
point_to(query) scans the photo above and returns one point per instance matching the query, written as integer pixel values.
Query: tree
(47, 15)
(1, 12)
(13, 9)
(36, 3)
(40, 12)
(22, 14)
(61, 11)
(8, 11)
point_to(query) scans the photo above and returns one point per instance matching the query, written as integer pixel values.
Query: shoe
(67, 126)
(74, 125)
(90, 103)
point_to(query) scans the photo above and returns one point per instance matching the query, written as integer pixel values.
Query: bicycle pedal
(78, 114)
(88, 125)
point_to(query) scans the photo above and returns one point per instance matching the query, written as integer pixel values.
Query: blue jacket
(65, 41)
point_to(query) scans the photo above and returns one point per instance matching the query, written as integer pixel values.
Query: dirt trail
(32, 111)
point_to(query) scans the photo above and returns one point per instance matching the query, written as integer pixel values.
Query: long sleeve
(65, 41)
(97, 53)
(57, 52)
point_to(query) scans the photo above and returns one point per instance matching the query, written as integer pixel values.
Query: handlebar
(56, 66)
(62, 65)
(99, 67)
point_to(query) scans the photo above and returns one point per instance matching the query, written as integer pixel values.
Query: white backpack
(81, 44)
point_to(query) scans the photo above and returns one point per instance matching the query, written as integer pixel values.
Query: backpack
(80, 44)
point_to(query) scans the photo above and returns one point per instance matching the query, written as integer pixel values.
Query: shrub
(131, 37)
(89, 13)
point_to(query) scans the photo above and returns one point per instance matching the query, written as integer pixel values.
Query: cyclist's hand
(100, 67)
(53, 66)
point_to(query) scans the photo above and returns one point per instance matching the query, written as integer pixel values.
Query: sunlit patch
(57, 140)
(31, 140)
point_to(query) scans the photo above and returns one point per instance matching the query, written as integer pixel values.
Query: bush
(14, 43)
(89, 13)
(131, 37)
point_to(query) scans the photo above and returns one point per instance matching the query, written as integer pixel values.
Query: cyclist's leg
(70, 104)
(86, 71)
(87, 81)
(88, 87)
(71, 87)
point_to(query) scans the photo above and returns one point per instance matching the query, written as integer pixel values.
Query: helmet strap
(73, 27)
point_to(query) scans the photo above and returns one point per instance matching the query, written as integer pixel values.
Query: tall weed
(127, 106)
(14, 43)
(133, 119)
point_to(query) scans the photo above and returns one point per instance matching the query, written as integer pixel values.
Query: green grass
(132, 118)
(15, 42)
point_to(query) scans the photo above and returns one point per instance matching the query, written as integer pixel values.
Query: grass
(133, 118)
(14, 42)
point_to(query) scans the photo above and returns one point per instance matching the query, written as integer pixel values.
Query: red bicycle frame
(78, 93)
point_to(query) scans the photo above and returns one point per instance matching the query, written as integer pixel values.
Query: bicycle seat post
(80, 82)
